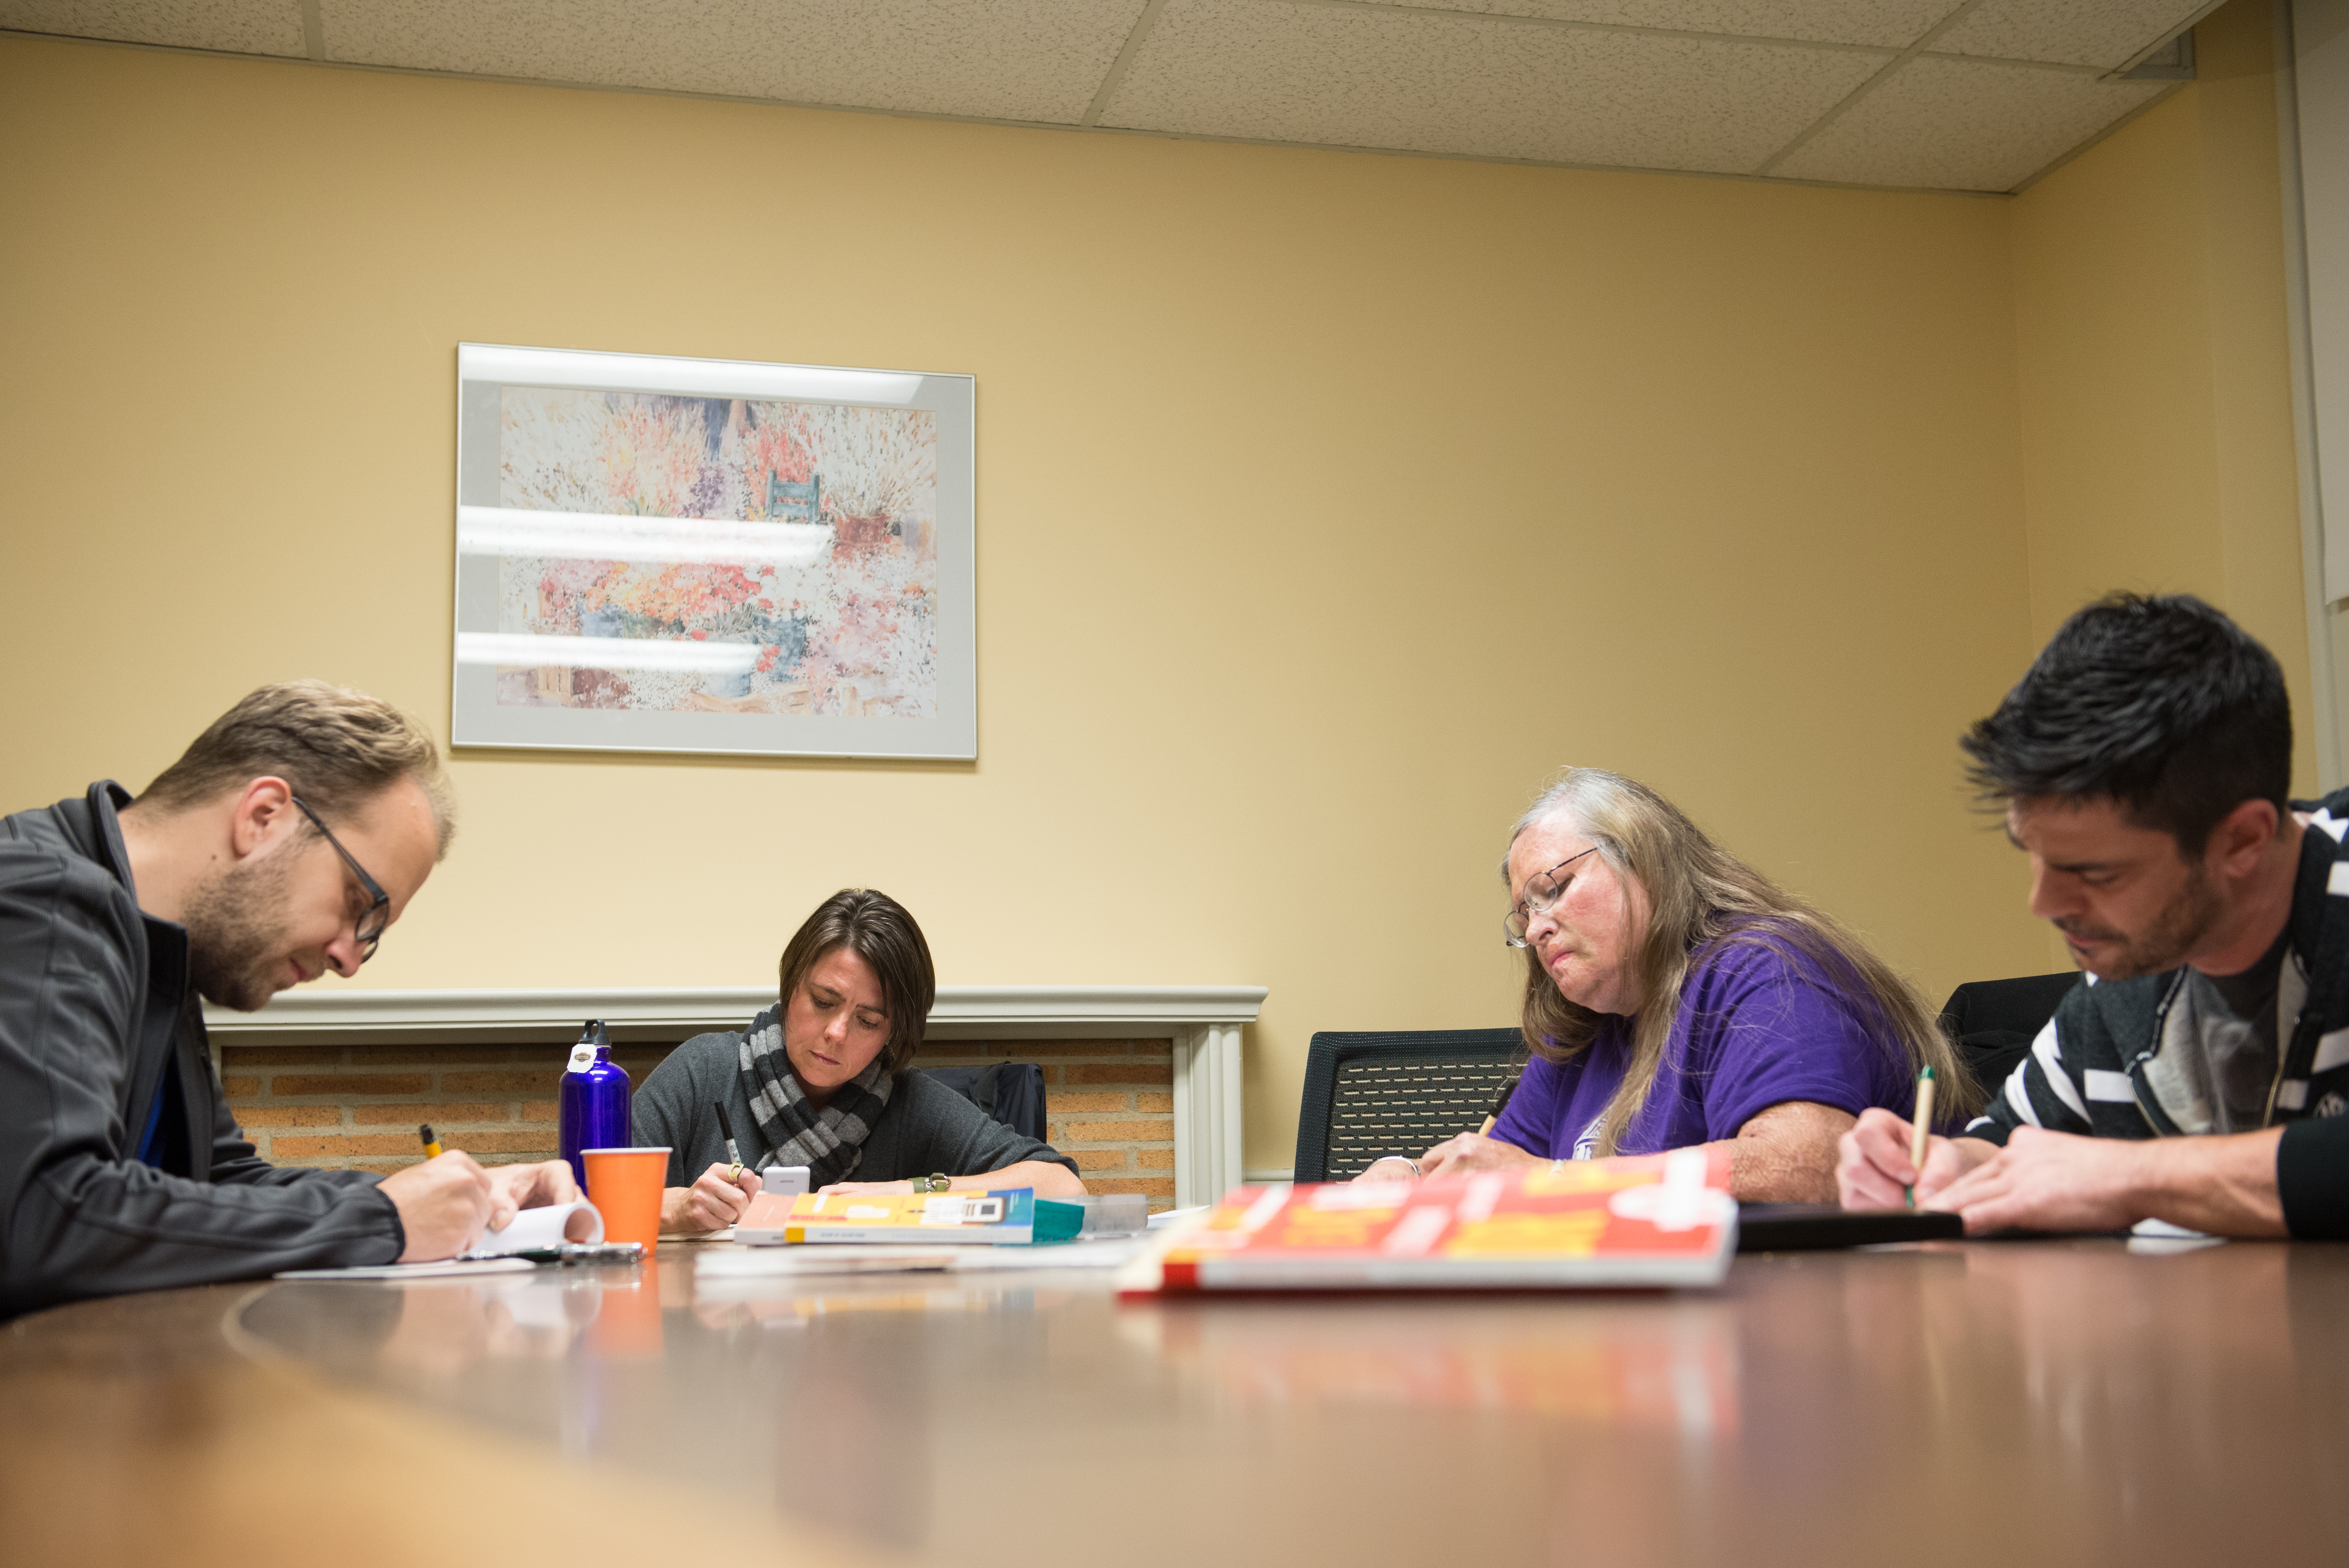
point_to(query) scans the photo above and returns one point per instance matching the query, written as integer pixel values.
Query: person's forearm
(1787, 1154)
(1765, 1172)
(2226, 1186)
(84, 1227)
(1048, 1178)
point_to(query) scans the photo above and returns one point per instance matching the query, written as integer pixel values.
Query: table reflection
(448, 1325)
(1818, 1397)
(1648, 1365)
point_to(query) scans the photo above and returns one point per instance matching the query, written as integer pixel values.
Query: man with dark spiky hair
(2143, 765)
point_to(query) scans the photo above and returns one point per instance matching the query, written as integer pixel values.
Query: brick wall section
(356, 1107)
(1109, 1104)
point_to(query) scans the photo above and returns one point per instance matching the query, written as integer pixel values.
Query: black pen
(727, 1127)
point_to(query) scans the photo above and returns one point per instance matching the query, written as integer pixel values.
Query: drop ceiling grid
(1028, 60)
(230, 27)
(2103, 34)
(2090, 35)
(1478, 87)
(1872, 23)
(1939, 121)
(1934, 93)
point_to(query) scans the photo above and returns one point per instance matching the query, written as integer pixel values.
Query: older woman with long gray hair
(1675, 997)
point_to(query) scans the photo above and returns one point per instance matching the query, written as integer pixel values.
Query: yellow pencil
(1502, 1103)
(1920, 1130)
(431, 1144)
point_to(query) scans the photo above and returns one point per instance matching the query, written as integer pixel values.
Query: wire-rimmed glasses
(1542, 888)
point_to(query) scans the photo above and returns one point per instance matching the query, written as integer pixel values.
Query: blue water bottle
(593, 1101)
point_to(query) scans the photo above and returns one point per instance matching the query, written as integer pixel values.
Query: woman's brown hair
(883, 933)
(1701, 898)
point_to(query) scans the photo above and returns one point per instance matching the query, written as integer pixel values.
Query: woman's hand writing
(1473, 1152)
(714, 1202)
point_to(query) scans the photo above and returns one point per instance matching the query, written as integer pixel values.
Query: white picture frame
(709, 556)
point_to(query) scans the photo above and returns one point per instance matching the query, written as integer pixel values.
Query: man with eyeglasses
(280, 845)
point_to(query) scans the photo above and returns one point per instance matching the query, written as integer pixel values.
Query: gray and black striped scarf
(830, 1142)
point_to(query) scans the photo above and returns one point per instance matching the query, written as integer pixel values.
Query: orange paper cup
(625, 1185)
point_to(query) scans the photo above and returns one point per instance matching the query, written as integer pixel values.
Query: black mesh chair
(1010, 1092)
(1368, 1095)
(1993, 1022)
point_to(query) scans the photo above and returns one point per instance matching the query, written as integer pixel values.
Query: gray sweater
(926, 1127)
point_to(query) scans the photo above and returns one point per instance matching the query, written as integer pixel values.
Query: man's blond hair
(340, 749)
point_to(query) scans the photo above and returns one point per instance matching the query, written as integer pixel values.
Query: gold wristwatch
(936, 1182)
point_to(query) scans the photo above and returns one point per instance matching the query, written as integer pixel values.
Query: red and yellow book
(1654, 1220)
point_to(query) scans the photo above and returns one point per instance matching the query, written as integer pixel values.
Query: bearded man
(283, 844)
(2199, 1076)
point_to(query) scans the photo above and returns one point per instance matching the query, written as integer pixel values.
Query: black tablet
(1810, 1227)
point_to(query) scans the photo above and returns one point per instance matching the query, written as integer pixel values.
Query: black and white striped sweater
(2110, 1063)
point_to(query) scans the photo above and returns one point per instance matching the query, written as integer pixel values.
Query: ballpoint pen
(431, 1144)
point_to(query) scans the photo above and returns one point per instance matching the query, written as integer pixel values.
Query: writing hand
(517, 1187)
(2045, 1181)
(443, 1205)
(1474, 1151)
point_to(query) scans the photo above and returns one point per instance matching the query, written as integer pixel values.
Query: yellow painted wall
(2154, 366)
(1327, 503)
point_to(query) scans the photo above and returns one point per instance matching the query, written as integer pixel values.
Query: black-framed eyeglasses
(1542, 888)
(369, 930)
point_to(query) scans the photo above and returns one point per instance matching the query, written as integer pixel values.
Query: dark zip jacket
(102, 1038)
(2106, 1065)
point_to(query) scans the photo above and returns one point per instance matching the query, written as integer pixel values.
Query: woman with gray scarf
(820, 1079)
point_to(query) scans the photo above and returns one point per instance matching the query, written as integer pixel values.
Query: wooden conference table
(1977, 1404)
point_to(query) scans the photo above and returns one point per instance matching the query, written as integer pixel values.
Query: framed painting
(658, 554)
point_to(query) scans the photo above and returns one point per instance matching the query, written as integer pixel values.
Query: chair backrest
(1010, 1092)
(1993, 1022)
(802, 499)
(1373, 1094)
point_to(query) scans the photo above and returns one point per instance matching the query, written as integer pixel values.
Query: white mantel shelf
(671, 1012)
(1204, 1022)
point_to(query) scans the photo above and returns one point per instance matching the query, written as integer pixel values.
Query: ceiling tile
(1964, 125)
(1474, 86)
(2102, 33)
(1895, 24)
(1003, 59)
(239, 26)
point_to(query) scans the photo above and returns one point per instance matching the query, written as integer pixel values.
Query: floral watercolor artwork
(843, 623)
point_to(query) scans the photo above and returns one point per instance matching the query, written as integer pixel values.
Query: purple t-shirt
(1756, 1027)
